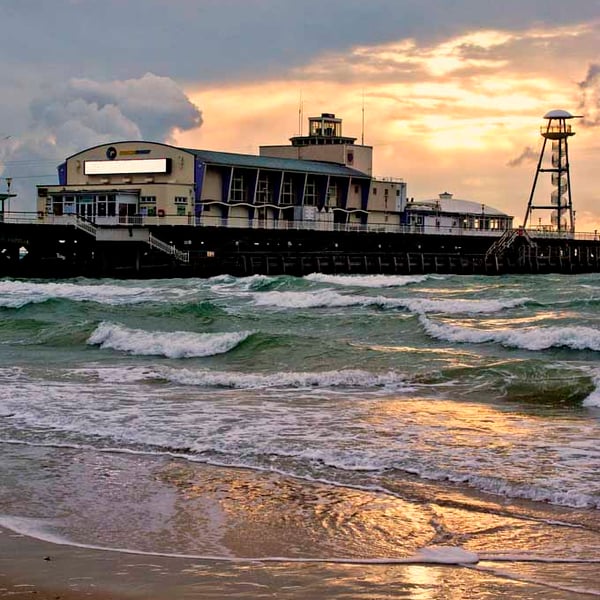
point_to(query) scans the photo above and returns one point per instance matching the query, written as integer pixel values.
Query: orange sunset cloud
(451, 116)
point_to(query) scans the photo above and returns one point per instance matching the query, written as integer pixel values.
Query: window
(332, 195)
(181, 200)
(147, 199)
(374, 191)
(264, 194)
(238, 193)
(69, 205)
(181, 210)
(287, 192)
(310, 194)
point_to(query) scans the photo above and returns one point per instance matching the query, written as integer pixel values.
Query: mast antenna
(362, 134)
(300, 113)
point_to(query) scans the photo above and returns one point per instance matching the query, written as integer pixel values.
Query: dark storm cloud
(150, 107)
(225, 39)
(83, 112)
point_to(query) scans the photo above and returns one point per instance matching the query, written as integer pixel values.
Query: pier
(28, 249)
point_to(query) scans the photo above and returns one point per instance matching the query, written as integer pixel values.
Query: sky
(453, 92)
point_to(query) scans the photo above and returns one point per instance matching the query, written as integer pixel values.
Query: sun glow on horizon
(435, 115)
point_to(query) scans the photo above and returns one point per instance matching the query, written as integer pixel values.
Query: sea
(361, 420)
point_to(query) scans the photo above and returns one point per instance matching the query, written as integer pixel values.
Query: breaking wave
(355, 378)
(345, 378)
(174, 344)
(528, 338)
(501, 487)
(16, 294)
(332, 299)
(369, 281)
(593, 400)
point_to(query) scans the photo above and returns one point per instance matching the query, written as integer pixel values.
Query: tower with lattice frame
(558, 130)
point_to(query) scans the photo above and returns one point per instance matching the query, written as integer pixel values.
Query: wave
(205, 310)
(175, 344)
(288, 379)
(16, 294)
(528, 338)
(253, 282)
(369, 281)
(238, 380)
(593, 399)
(521, 380)
(332, 299)
(508, 489)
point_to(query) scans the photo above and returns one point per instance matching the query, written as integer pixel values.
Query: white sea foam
(369, 281)
(593, 400)
(15, 294)
(460, 306)
(118, 375)
(502, 487)
(227, 282)
(344, 378)
(174, 344)
(40, 529)
(447, 555)
(332, 299)
(528, 338)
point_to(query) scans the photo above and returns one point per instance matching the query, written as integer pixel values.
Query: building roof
(276, 164)
(559, 114)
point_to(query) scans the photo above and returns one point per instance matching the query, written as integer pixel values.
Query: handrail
(502, 243)
(318, 225)
(170, 249)
(86, 226)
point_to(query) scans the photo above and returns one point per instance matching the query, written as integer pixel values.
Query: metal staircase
(85, 225)
(152, 241)
(508, 238)
(180, 255)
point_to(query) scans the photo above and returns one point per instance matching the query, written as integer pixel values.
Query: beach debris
(447, 555)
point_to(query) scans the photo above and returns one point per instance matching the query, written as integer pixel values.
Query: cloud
(528, 155)
(151, 107)
(590, 97)
(453, 113)
(82, 113)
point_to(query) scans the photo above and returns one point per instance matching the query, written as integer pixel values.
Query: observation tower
(558, 130)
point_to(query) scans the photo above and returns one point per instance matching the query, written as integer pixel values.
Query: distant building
(450, 215)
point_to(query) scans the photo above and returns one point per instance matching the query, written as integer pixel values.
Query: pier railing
(281, 224)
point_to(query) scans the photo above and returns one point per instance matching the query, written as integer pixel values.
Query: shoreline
(34, 568)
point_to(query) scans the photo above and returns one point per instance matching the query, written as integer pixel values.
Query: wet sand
(201, 531)
(74, 573)
(31, 568)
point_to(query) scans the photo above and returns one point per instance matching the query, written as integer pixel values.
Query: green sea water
(400, 390)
